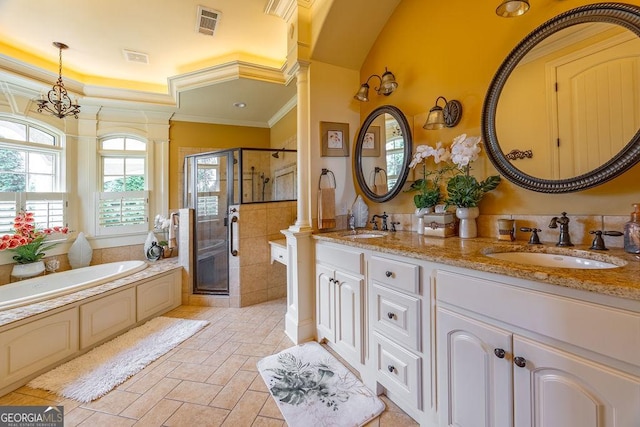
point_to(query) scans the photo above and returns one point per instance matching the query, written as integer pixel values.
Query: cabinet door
(348, 300)
(559, 389)
(325, 313)
(474, 371)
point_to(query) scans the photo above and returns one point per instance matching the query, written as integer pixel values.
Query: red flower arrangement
(28, 242)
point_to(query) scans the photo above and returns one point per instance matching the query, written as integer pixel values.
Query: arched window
(123, 202)
(31, 173)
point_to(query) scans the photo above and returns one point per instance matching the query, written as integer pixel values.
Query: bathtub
(52, 285)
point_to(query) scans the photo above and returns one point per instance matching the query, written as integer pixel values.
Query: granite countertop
(621, 282)
(153, 269)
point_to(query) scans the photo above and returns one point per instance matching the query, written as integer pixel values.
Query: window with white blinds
(122, 212)
(49, 209)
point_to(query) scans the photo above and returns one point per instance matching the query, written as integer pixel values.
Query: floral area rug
(312, 388)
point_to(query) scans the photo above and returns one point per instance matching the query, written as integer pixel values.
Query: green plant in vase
(428, 187)
(464, 190)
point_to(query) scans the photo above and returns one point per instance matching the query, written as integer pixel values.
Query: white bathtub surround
(97, 372)
(53, 285)
(22, 313)
(38, 337)
(80, 252)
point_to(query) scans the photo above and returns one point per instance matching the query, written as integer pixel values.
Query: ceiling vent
(207, 20)
(132, 56)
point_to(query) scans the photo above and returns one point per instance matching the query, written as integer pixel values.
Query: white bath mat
(97, 372)
(312, 388)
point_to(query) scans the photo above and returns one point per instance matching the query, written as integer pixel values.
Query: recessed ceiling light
(239, 104)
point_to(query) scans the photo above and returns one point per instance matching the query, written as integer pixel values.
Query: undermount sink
(553, 260)
(363, 235)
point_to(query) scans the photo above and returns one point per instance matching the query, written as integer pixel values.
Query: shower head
(276, 155)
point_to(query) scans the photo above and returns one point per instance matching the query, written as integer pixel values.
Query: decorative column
(299, 320)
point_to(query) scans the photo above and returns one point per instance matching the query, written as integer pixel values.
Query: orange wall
(207, 136)
(453, 48)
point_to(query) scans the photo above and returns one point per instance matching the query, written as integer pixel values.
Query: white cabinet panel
(158, 295)
(29, 348)
(474, 382)
(348, 309)
(325, 313)
(107, 316)
(558, 389)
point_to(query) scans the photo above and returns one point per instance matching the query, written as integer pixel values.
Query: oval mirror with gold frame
(539, 165)
(382, 153)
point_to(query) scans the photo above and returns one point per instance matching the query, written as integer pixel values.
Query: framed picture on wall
(371, 142)
(335, 139)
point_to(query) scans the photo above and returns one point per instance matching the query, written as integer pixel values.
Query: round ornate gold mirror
(382, 153)
(562, 113)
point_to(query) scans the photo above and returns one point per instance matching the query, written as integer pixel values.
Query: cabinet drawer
(278, 252)
(397, 274)
(605, 330)
(343, 259)
(398, 370)
(397, 315)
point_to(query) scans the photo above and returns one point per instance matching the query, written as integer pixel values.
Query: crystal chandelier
(57, 101)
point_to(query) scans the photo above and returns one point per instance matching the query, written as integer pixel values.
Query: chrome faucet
(352, 222)
(564, 239)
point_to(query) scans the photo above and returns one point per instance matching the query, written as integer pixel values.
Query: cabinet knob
(388, 273)
(391, 315)
(520, 361)
(391, 368)
(499, 353)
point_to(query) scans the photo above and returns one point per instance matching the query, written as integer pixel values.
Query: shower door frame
(191, 201)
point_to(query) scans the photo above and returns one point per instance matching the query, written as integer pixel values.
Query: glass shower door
(210, 205)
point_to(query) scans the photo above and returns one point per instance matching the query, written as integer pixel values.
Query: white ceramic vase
(25, 271)
(80, 252)
(467, 228)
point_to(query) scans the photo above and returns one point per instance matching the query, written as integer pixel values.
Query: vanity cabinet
(340, 300)
(396, 339)
(516, 357)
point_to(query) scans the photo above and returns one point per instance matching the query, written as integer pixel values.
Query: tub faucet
(564, 239)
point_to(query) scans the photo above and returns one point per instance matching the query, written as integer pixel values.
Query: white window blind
(122, 212)
(49, 209)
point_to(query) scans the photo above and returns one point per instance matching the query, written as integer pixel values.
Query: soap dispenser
(632, 231)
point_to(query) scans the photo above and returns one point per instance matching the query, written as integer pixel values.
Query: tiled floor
(209, 380)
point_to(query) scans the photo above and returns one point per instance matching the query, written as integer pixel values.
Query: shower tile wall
(253, 279)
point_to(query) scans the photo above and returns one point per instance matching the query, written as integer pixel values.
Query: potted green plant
(463, 190)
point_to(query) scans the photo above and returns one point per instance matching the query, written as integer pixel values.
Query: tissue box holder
(440, 225)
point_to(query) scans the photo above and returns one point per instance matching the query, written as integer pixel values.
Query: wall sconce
(512, 8)
(387, 85)
(440, 117)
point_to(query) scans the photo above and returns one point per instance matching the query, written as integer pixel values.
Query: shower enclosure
(218, 180)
